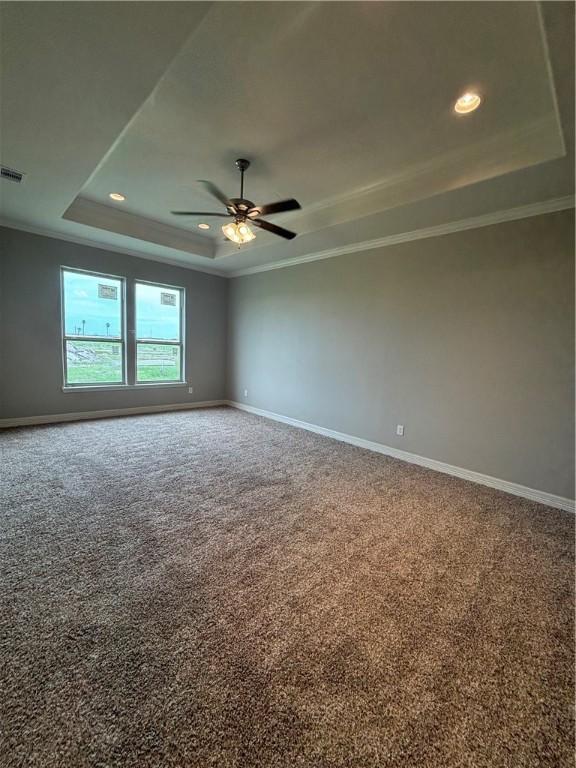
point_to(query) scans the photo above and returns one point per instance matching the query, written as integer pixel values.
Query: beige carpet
(213, 589)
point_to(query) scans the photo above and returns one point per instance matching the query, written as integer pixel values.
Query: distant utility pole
(107, 329)
(83, 328)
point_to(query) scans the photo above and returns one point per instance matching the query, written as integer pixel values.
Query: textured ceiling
(346, 106)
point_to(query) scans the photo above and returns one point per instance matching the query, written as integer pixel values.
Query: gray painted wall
(30, 340)
(466, 339)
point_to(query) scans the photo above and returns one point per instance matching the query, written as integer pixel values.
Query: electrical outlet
(245, 393)
(400, 430)
(190, 390)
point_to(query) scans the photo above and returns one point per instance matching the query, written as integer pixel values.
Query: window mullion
(130, 335)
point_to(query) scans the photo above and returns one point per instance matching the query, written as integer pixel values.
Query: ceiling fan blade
(198, 213)
(215, 192)
(279, 207)
(274, 229)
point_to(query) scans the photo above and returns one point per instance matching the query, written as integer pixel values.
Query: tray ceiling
(345, 106)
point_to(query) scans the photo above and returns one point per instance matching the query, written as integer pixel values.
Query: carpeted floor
(213, 589)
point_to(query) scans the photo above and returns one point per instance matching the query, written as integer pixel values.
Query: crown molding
(475, 222)
(45, 232)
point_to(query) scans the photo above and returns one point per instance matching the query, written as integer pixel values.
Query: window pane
(157, 312)
(94, 362)
(92, 305)
(158, 362)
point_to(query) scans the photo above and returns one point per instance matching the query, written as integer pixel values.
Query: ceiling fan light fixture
(238, 232)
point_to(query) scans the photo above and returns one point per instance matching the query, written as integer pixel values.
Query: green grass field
(159, 373)
(94, 374)
(94, 362)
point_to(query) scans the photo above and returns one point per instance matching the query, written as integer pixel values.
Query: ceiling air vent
(10, 174)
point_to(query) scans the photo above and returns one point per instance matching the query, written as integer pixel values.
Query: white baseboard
(54, 418)
(550, 499)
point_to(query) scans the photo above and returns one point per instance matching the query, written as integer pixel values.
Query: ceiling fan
(244, 211)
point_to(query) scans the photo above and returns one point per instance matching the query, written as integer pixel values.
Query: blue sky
(155, 320)
(83, 303)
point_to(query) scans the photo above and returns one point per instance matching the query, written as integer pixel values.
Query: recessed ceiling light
(203, 226)
(117, 196)
(468, 102)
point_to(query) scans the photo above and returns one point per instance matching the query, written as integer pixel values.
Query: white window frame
(156, 342)
(66, 337)
(128, 340)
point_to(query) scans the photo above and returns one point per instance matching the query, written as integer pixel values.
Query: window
(158, 333)
(96, 349)
(93, 321)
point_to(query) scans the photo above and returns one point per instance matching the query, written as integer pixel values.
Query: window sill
(108, 387)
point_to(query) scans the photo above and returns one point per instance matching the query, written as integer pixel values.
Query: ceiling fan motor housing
(241, 204)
